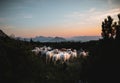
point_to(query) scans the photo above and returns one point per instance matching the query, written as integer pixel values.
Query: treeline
(103, 64)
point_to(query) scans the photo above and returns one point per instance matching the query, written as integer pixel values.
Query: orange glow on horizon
(61, 33)
(53, 32)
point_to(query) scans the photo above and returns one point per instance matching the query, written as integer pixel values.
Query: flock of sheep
(62, 55)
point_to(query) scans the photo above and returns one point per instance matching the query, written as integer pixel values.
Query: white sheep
(43, 52)
(55, 58)
(64, 56)
(73, 54)
(49, 55)
(49, 48)
(83, 54)
(36, 50)
(67, 56)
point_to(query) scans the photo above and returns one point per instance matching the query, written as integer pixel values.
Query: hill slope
(2, 34)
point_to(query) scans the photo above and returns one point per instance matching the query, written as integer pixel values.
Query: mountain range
(61, 39)
(44, 39)
(83, 38)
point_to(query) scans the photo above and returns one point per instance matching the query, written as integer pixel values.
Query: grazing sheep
(55, 58)
(49, 48)
(36, 50)
(49, 55)
(73, 54)
(43, 52)
(65, 57)
(62, 57)
(83, 54)
(63, 49)
(56, 51)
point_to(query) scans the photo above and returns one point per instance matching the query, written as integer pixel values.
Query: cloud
(92, 9)
(99, 16)
(91, 17)
(113, 2)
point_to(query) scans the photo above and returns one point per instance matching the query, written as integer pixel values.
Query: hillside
(20, 65)
(2, 34)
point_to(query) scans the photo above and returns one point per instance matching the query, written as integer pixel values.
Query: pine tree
(118, 29)
(106, 28)
(110, 30)
(31, 41)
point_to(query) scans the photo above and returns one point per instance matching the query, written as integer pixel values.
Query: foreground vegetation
(19, 64)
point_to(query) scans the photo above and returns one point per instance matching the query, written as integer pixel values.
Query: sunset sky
(64, 18)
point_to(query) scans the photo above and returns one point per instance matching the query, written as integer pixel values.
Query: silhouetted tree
(31, 41)
(107, 28)
(114, 29)
(104, 30)
(118, 29)
(110, 30)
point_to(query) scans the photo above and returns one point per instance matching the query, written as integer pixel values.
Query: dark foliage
(18, 64)
(103, 67)
(110, 30)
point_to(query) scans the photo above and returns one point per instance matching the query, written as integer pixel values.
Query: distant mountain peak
(57, 39)
(84, 38)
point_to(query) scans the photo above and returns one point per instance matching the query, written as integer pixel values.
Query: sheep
(64, 56)
(36, 50)
(73, 54)
(55, 58)
(83, 54)
(61, 56)
(63, 49)
(43, 52)
(67, 56)
(49, 48)
(68, 50)
(56, 51)
(49, 55)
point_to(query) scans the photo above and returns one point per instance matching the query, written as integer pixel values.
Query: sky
(64, 18)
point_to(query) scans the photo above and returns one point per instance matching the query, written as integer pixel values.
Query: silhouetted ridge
(2, 34)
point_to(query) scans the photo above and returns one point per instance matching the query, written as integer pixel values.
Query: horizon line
(61, 36)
